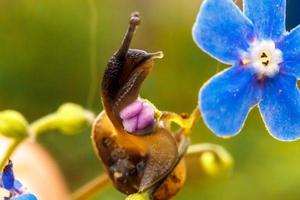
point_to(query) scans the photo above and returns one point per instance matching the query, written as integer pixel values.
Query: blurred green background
(45, 61)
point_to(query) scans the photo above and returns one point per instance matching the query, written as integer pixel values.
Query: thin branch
(91, 188)
(10, 150)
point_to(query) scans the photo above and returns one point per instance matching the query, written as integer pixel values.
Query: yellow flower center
(263, 57)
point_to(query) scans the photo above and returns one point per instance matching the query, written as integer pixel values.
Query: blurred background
(45, 52)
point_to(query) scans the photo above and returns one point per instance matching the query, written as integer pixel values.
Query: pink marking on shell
(146, 116)
(131, 110)
(138, 117)
(130, 125)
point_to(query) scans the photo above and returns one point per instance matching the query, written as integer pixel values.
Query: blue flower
(8, 182)
(265, 61)
(8, 177)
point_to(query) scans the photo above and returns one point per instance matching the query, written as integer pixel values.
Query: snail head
(125, 73)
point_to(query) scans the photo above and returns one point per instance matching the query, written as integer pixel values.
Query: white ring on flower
(264, 57)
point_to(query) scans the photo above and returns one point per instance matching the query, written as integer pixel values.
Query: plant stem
(191, 121)
(215, 158)
(42, 125)
(186, 122)
(206, 147)
(91, 188)
(10, 151)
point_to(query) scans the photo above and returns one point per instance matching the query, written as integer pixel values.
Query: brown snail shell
(135, 163)
(173, 183)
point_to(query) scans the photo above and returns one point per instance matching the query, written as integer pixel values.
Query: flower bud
(137, 196)
(215, 164)
(72, 118)
(13, 124)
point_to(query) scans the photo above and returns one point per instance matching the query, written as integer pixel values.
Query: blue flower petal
(222, 30)
(291, 68)
(268, 17)
(290, 47)
(8, 177)
(25, 197)
(227, 98)
(280, 107)
(17, 184)
(1, 185)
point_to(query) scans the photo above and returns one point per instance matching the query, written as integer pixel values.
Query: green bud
(137, 196)
(68, 119)
(209, 163)
(213, 159)
(216, 163)
(13, 124)
(72, 118)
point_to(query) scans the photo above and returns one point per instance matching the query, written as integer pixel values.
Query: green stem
(42, 125)
(10, 150)
(191, 121)
(222, 157)
(91, 188)
(186, 122)
(206, 147)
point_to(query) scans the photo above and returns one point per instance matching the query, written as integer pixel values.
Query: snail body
(149, 159)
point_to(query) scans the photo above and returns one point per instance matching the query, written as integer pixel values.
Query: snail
(139, 156)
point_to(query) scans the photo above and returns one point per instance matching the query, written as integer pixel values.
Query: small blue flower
(8, 182)
(8, 177)
(265, 61)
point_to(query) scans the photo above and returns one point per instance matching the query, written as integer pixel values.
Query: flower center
(264, 57)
